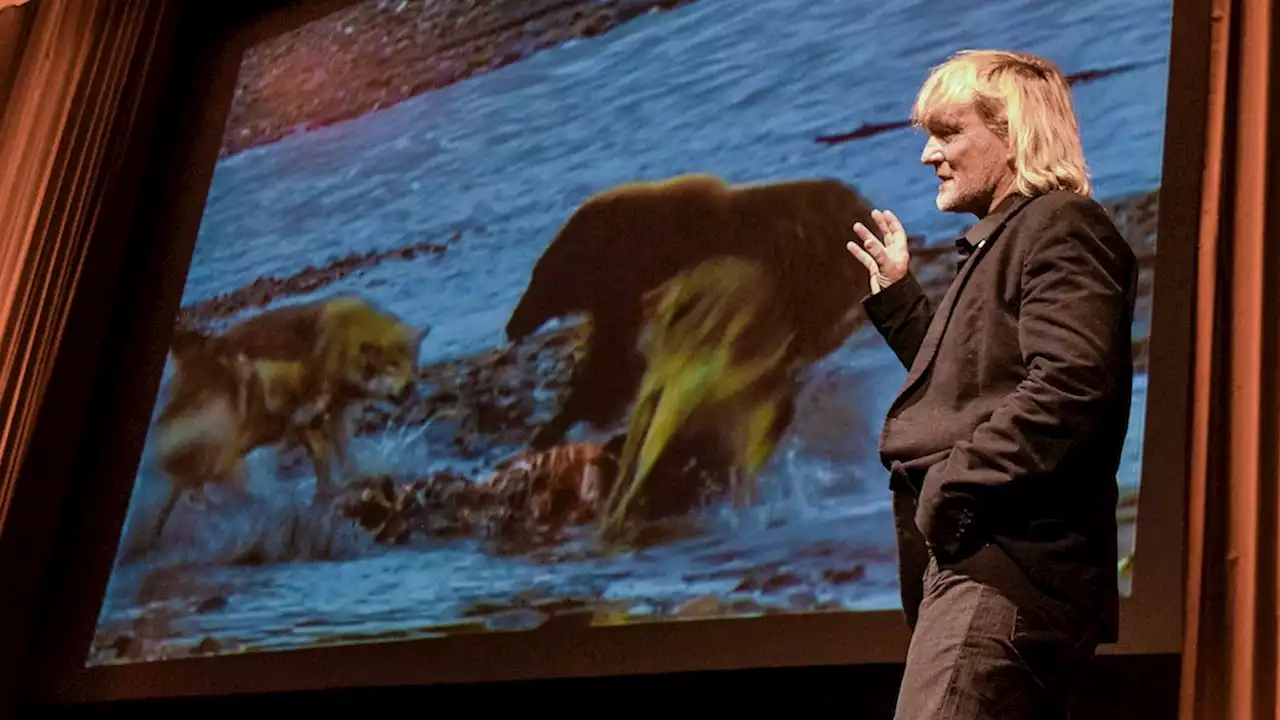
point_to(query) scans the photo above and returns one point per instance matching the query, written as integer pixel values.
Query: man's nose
(932, 153)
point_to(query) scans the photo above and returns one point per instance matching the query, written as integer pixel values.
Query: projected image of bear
(624, 242)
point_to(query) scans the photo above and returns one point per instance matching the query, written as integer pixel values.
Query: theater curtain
(1230, 635)
(70, 89)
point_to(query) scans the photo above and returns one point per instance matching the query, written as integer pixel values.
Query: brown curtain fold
(15, 28)
(1230, 633)
(71, 91)
(56, 160)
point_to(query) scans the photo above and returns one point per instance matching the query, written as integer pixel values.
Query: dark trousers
(985, 642)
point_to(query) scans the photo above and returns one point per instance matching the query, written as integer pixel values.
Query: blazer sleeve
(1074, 331)
(902, 313)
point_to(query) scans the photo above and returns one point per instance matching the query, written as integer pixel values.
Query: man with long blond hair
(1004, 443)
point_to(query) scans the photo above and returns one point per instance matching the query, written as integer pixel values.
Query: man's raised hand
(888, 260)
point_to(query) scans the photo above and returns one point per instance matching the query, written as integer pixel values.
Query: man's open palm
(888, 260)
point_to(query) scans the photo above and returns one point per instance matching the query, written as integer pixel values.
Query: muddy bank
(380, 52)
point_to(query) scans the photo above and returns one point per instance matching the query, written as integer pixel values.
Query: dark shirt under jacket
(1011, 423)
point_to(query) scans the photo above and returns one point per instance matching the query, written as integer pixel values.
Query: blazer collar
(977, 235)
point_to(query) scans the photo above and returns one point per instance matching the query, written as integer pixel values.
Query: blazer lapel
(982, 235)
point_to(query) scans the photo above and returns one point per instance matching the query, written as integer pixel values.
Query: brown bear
(625, 241)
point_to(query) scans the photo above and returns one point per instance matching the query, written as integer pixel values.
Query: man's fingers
(863, 257)
(878, 215)
(876, 250)
(870, 242)
(863, 232)
(873, 246)
(891, 228)
(894, 233)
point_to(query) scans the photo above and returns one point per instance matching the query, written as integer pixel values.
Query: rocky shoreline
(377, 53)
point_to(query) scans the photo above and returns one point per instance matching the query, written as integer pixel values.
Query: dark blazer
(1011, 423)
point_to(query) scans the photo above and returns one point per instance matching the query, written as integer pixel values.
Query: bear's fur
(628, 240)
(716, 343)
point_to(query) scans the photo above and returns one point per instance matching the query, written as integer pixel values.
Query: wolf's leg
(175, 492)
(313, 413)
(237, 477)
(336, 426)
(321, 455)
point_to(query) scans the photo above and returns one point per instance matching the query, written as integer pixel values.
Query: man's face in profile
(972, 162)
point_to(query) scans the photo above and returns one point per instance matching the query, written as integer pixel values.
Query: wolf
(287, 375)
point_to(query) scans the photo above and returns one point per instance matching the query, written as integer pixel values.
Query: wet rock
(720, 558)
(207, 646)
(522, 619)
(492, 399)
(533, 609)
(176, 584)
(768, 582)
(150, 636)
(467, 627)
(445, 505)
(740, 608)
(802, 600)
(529, 501)
(608, 613)
(218, 602)
(123, 646)
(706, 606)
(1137, 217)
(841, 577)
